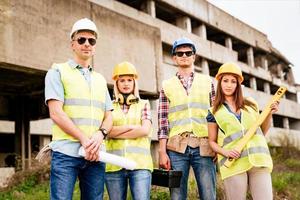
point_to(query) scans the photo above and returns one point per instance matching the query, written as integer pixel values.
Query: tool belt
(178, 143)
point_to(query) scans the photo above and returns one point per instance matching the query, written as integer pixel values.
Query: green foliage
(159, 193)
(30, 189)
(283, 181)
(293, 163)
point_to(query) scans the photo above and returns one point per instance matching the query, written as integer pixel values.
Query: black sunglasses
(181, 53)
(82, 40)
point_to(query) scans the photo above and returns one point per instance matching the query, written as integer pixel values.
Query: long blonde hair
(135, 88)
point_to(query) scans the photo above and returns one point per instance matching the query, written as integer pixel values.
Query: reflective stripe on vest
(256, 152)
(246, 152)
(186, 121)
(134, 149)
(238, 135)
(130, 149)
(84, 104)
(187, 113)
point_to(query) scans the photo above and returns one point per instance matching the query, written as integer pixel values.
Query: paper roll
(112, 159)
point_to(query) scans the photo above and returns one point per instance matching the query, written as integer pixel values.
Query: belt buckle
(185, 134)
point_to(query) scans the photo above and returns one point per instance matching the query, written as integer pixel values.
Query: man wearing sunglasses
(80, 108)
(183, 104)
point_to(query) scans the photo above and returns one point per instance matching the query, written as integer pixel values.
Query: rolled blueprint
(112, 159)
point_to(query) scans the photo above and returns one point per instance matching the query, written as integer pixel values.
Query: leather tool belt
(178, 143)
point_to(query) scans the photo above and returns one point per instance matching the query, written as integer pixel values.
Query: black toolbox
(166, 178)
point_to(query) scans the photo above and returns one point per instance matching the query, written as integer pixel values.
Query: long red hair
(240, 101)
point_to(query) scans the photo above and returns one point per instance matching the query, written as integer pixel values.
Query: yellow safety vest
(256, 153)
(137, 149)
(84, 105)
(187, 113)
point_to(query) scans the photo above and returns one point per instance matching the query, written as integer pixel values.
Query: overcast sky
(278, 19)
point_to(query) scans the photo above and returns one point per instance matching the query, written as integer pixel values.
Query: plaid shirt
(163, 107)
(146, 112)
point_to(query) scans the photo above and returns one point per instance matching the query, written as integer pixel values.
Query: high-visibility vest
(137, 149)
(84, 104)
(187, 113)
(256, 153)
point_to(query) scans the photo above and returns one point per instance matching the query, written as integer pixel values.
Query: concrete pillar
(279, 71)
(22, 136)
(184, 23)
(264, 62)
(149, 7)
(228, 42)
(43, 141)
(204, 66)
(250, 57)
(253, 84)
(201, 31)
(272, 122)
(286, 124)
(267, 88)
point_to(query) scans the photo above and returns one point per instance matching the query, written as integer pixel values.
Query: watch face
(104, 131)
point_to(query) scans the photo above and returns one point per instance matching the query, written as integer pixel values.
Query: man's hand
(164, 161)
(92, 146)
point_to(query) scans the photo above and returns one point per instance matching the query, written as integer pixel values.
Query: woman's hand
(232, 154)
(274, 107)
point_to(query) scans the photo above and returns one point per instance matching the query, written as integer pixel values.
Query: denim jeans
(139, 183)
(204, 170)
(64, 172)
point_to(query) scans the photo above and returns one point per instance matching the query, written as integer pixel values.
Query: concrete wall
(36, 34)
(123, 38)
(287, 107)
(217, 18)
(5, 174)
(284, 137)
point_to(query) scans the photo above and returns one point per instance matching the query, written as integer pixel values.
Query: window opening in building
(166, 14)
(241, 49)
(215, 35)
(260, 84)
(213, 67)
(277, 121)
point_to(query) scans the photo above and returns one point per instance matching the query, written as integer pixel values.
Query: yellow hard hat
(231, 68)
(124, 68)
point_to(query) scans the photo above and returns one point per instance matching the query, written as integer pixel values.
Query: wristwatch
(104, 132)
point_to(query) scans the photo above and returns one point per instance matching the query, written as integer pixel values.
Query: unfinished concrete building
(34, 34)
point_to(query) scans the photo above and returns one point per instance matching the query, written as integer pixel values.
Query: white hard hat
(84, 24)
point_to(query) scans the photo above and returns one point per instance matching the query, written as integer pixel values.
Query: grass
(34, 184)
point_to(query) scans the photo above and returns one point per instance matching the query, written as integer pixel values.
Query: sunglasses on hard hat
(181, 53)
(82, 40)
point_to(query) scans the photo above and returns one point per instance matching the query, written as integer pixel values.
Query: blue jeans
(204, 170)
(139, 183)
(64, 172)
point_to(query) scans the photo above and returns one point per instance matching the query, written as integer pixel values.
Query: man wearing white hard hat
(80, 108)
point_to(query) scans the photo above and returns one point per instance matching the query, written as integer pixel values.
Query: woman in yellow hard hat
(130, 137)
(233, 115)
